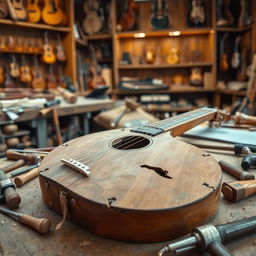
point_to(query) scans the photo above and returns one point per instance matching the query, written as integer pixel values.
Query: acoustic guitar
(245, 17)
(128, 18)
(14, 67)
(152, 185)
(25, 72)
(1, 75)
(34, 11)
(235, 60)
(173, 57)
(60, 52)
(224, 64)
(9, 83)
(196, 77)
(196, 16)
(95, 79)
(48, 56)
(12, 11)
(159, 18)
(3, 9)
(51, 79)
(52, 13)
(92, 22)
(38, 81)
(20, 10)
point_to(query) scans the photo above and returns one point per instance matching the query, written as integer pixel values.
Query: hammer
(238, 190)
(209, 238)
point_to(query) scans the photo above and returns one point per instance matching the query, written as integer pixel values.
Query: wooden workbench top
(16, 239)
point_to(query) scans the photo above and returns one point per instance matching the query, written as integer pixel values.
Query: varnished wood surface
(73, 240)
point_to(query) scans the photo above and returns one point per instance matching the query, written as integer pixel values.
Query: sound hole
(130, 142)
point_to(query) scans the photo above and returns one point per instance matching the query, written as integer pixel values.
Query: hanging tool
(7, 188)
(209, 238)
(42, 225)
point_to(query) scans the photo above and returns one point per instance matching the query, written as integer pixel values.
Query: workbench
(17, 239)
(82, 108)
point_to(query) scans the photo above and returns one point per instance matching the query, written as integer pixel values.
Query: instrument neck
(177, 125)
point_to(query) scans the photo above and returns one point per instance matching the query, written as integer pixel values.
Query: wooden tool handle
(68, 96)
(13, 155)
(56, 125)
(24, 178)
(235, 171)
(241, 118)
(42, 225)
(12, 198)
(13, 166)
(238, 190)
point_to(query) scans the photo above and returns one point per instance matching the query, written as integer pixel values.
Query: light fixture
(174, 33)
(139, 35)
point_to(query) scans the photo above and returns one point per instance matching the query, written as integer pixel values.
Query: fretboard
(177, 125)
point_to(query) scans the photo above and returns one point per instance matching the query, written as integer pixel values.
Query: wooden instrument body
(173, 57)
(160, 19)
(92, 23)
(197, 13)
(196, 77)
(20, 9)
(3, 9)
(52, 13)
(146, 207)
(1, 75)
(128, 20)
(48, 54)
(34, 12)
(14, 68)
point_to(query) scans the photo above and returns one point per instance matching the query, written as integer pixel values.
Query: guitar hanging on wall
(160, 18)
(52, 13)
(128, 18)
(235, 61)
(34, 11)
(224, 64)
(3, 9)
(196, 16)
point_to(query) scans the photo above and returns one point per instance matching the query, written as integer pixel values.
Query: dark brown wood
(130, 188)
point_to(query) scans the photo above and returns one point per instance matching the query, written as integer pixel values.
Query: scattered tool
(67, 95)
(248, 160)
(209, 238)
(238, 190)
(235, 171)
(42, 225)
(241, 118)
(7, 188)
(13, 166)
(12, 155)
(24, 178)
(23, 170)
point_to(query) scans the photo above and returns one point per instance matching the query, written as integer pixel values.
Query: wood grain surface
(147, 206)
(75, 240)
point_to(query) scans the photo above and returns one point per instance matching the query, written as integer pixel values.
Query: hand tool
(23, 170)
(24, 178)
(13, 166)
(209, 238)
(235, 171)
(42, 225)
(7, 189)
(238, 190)
(12, 155)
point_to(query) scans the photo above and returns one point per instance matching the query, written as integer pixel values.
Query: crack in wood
(158, 170)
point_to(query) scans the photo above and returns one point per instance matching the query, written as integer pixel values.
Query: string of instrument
(50, 12)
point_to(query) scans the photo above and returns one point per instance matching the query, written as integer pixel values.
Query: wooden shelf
(232, 92)
(163, 33)
(160, 66)
(98, 37)
(21, 52)
(186, 89)
(33, 25)
(17, 134)
(234, 29)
